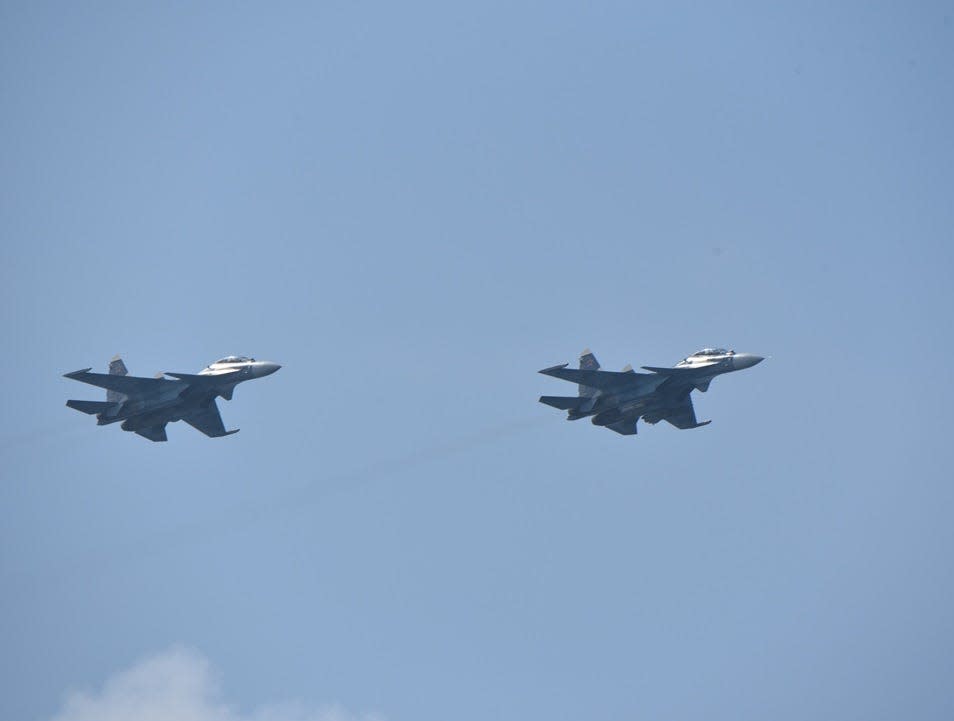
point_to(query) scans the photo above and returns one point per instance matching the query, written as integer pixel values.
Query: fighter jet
(146, 405)
(618, 399)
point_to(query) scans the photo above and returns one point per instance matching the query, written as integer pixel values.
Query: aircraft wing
(625, 427)
(684, 370)
(207, 420)
(153, 433)
(206, 378)
(681, 415)
(127, 385)
(603, 380)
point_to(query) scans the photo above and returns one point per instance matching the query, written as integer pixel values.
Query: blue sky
(413, 208)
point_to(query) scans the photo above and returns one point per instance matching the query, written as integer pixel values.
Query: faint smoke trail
(239, 518)
(324, 486)
(437, 452)
(31, 436)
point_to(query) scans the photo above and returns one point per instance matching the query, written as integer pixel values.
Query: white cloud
(180, 685)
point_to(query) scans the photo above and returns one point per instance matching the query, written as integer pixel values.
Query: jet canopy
(234, 359)
(712, 351)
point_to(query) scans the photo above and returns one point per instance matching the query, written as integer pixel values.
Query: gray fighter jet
(145, 405)
(618, 399)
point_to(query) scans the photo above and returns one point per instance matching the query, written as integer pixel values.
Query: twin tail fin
(116, 368)
(588, 362)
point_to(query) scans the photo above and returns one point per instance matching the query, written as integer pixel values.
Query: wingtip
(546, 371)
(80, 372)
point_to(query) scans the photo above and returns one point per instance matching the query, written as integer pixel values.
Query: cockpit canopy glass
(235, 359)
(711, 351)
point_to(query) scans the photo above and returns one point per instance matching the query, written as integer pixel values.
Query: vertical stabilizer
(116, 368)
(588, 362)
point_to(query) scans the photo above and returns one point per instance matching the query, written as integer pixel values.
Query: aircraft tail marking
(588, 362)
(116, 368)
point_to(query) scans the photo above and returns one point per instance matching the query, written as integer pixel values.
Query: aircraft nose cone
(265, 368)
(746, 360)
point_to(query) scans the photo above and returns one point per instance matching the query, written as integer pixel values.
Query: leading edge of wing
(593, 378)
(207, 378)
(681, 371)
(122, 384)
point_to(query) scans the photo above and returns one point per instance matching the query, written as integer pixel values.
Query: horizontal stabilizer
(91, 407)
(565, 403)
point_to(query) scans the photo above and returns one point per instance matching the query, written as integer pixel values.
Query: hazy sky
(413, 208)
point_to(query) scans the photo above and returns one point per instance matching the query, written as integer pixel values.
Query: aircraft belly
(145, 415)
(634, 406)
(606, 417)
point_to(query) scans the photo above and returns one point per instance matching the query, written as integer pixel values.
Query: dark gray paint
(145, 405)
(618, 399)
